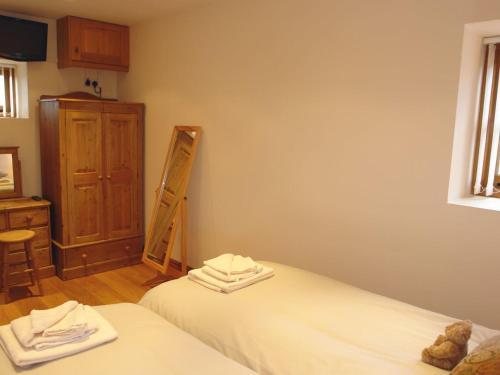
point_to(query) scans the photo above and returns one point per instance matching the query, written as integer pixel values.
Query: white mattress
(146, 345)
(299, 322)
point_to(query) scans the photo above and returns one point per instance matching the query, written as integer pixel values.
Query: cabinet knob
(29, 219)
(127, 247)
(108, 177)
(84, 256)
(99, 177)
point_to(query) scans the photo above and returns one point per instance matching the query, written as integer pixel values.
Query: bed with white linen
(299, 322)
(146, 345)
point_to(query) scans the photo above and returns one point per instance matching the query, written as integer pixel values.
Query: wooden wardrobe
(92, 172)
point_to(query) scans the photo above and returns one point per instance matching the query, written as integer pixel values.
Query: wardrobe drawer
(3, 222)
(102, 252)
(28, 218)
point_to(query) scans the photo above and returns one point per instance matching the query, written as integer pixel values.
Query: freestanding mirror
(170, 207)
(10, 173)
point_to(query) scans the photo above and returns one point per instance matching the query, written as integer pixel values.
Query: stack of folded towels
(229, 272)
(49, 334)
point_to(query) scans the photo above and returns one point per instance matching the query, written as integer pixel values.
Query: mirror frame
(16, 168)
(162, 268)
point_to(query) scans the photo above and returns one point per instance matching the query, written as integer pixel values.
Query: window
(474, 155)
(8, 91)
(486, 172)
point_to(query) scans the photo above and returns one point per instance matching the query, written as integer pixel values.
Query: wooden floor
(120, 285)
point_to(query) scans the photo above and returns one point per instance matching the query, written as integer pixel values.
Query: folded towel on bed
(22, 356)
(230, 264)
(233, 277)
(43, 319)
(22, 329)
(74, 323)
(208, 281)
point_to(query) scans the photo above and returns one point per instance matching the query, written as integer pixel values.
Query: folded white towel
(233, 277)
(231, 264)
(208, 281)
(24, 357)
(74, 323)
(43, 319)
(21, 328)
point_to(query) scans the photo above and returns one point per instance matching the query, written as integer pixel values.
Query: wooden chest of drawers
(25, 213)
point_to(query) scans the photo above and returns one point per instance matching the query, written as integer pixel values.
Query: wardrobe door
(121, 165)
(84, 176)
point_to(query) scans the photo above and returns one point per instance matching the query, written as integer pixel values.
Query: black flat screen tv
(22, 40)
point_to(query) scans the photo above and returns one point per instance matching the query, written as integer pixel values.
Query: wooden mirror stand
(170, 210)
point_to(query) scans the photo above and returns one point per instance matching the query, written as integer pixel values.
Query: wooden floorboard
(120, 285)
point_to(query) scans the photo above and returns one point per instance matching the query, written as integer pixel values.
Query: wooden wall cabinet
(26, 213)
(92, 44)
(92, 171)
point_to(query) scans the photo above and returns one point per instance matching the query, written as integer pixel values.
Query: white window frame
(22, 101)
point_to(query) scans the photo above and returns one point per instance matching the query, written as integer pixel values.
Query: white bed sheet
(146, 345)
(299, 322)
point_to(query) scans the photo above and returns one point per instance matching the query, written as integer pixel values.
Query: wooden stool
(13, 237)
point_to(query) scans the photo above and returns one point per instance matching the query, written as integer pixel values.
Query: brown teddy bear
(449, 349)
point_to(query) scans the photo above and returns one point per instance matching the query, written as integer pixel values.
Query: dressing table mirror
(169, 211)
(10, 173)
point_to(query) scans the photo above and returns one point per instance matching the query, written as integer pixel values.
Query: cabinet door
(121, 163)
(101, 43)
(84, 176)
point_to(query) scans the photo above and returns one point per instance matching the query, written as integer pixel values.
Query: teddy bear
(449, 349)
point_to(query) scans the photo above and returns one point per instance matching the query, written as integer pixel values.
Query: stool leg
(34, 266)
(29, 263)
(5, 272)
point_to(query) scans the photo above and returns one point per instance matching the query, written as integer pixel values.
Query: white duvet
(146, 345)
(302, 323)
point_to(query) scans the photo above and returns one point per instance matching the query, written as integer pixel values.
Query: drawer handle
(29, 219)
(129, 255)
(84, 261)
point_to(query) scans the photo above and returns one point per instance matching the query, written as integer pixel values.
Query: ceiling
(125, 12)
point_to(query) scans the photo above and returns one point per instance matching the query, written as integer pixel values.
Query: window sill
(492, 204)
(13, 118)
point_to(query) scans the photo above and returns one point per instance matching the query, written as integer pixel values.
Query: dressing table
(17, 213)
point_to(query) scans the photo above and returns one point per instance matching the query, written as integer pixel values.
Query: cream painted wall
(328, 132)
(45, 78)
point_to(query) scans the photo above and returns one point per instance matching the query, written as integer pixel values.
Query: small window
(486, 178)
(8, 91)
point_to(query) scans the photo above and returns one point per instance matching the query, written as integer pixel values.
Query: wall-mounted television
(22, 40)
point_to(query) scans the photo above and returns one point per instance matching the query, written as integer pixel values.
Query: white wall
(45, 78)
(328, 132)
